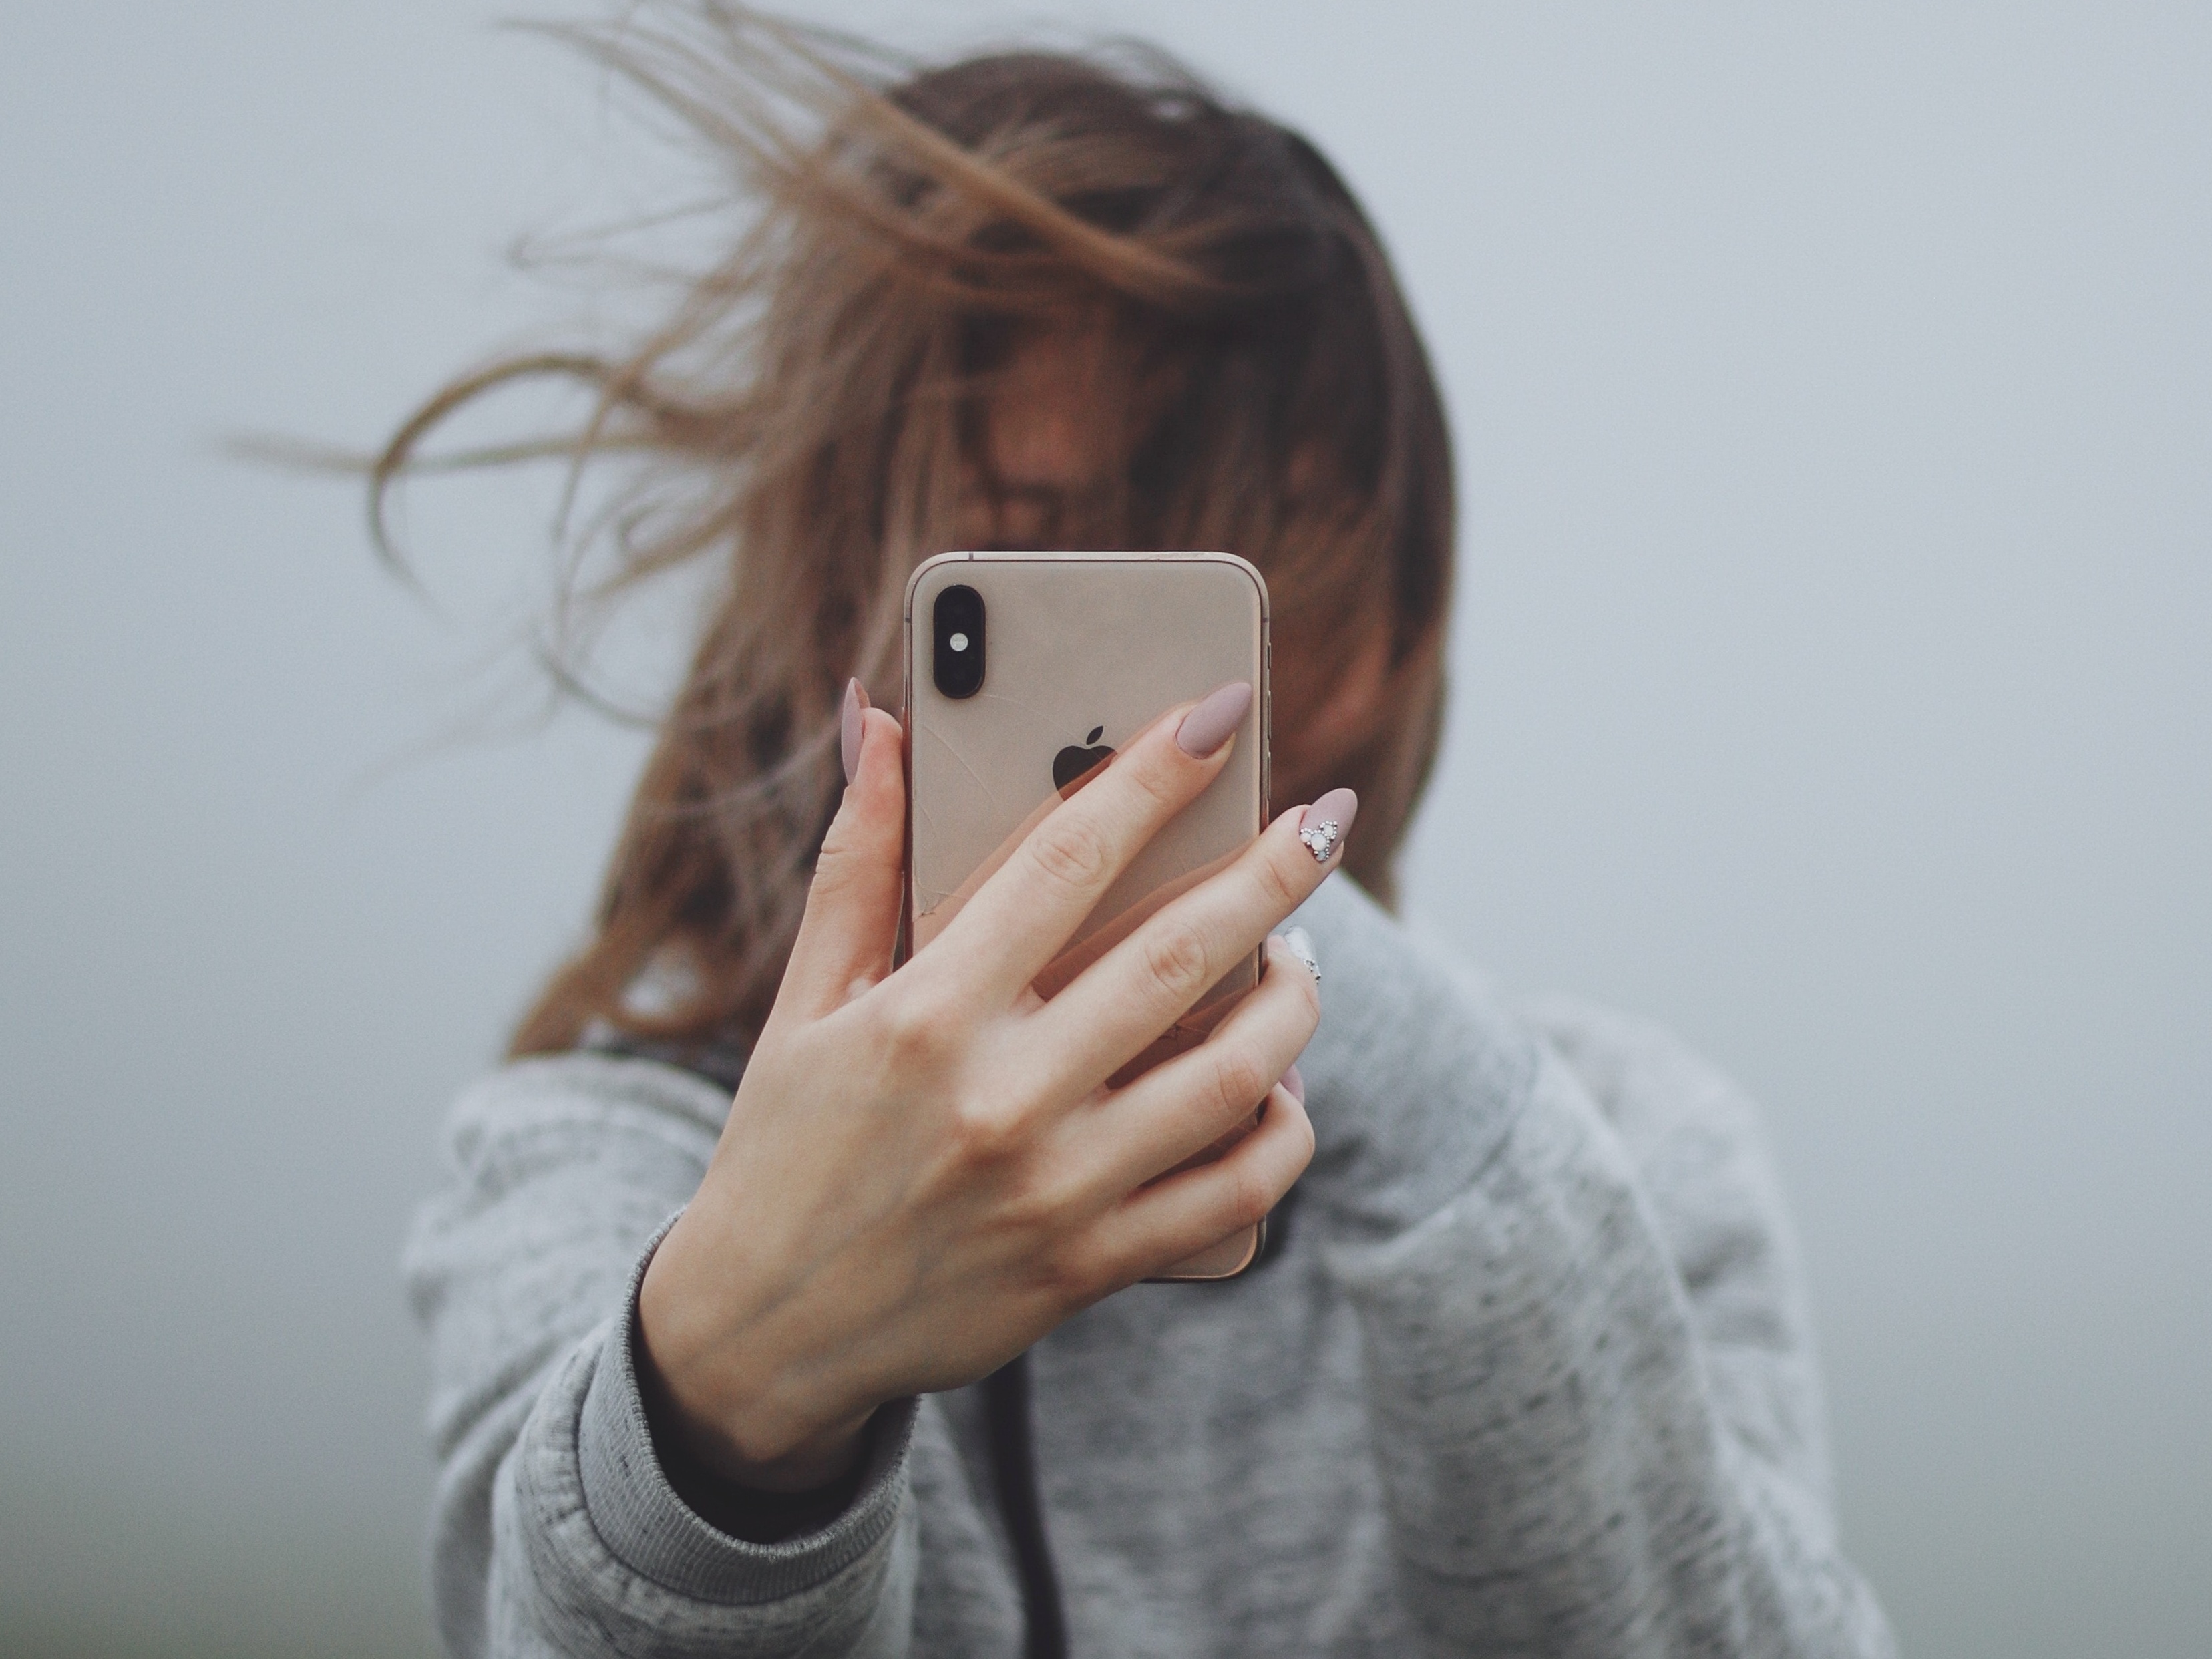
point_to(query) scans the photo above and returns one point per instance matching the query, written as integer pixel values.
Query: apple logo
(1072, 767)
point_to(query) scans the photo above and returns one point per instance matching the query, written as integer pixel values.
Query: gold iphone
(1025, 671)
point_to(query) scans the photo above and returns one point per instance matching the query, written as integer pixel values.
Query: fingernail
(1302, 947)
(848, 728)
(1207, 726)
(1328, 822)
(1295, 1084)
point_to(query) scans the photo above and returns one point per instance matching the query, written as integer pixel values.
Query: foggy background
(1833, 680)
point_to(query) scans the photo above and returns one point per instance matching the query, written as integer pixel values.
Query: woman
(858, 1361)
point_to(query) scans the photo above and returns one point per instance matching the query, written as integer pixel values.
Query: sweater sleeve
(554, 1529)
(1592, 1397)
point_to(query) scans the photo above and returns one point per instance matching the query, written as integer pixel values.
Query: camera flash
(958, 642)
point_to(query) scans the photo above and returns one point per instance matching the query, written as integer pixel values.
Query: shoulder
(1694, 1138)
(1698, 1145)
(561, 1158)
(1645, 1081)
(567, 1101)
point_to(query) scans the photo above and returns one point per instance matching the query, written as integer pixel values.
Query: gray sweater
(1531, 1375)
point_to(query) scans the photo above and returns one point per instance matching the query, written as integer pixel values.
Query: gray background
(1834, 680)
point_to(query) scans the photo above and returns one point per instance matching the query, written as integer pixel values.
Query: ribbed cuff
(639, 1518)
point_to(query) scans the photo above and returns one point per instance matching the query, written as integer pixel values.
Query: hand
(924, 1171)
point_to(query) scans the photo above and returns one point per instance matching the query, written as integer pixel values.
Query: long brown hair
(807, 420)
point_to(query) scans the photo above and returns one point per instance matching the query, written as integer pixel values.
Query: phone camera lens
(957, 631)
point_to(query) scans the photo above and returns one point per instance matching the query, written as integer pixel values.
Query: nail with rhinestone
(1326, 822)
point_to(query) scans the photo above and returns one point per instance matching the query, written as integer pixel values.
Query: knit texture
(1532, 1376)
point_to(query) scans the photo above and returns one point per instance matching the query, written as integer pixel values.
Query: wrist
(736, 1409)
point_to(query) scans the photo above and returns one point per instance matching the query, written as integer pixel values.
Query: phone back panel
(1076, 644)
(1082, 652)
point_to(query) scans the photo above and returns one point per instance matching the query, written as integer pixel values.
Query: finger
(1020, 917)
(1127, 999)
(1172, 1221)
(851, 923)
(1185, 1105)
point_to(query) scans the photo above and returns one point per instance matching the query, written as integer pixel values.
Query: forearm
(555, 1529)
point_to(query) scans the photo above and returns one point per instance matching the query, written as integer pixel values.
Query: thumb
(852, 917)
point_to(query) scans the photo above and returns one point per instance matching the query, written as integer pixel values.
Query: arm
(1593, 1399)
(554, 1529)
(924, 1170)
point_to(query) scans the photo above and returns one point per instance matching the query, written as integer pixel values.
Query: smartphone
(1025, 671)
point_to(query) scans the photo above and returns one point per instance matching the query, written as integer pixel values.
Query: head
(1023, 301)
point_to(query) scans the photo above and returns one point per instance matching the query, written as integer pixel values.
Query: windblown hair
(811, 417)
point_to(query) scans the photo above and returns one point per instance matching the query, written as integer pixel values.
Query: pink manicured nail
(1295, 1085)
(1328, 822)
(1209, 726)
(848, 728)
